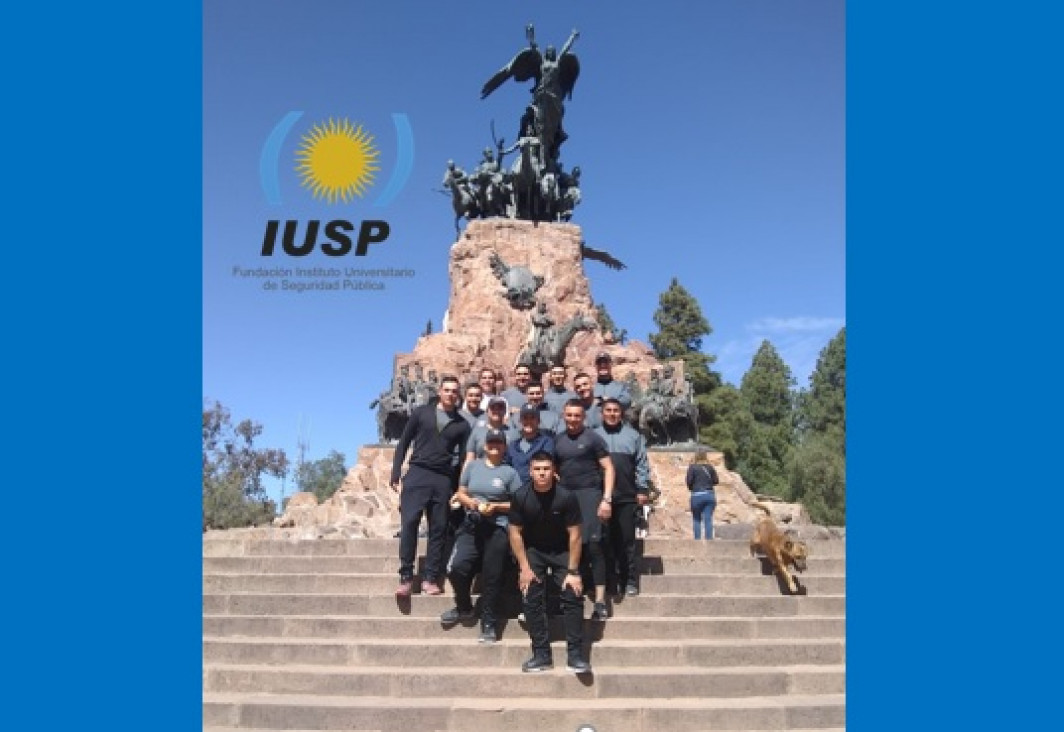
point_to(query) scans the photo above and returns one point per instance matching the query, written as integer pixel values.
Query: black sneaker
(454, 615)
(487, 634)
(537, 664)
(578, 665)
(600, 612)
(632, 589)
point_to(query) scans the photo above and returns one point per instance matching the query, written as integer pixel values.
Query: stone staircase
(307, 635)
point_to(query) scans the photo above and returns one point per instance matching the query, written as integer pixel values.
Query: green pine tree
(606, 324)
(766, 388)
(723, 420)
(825, 407)
(818, 467)
(681, 327)
(818, 480)
(765, 446)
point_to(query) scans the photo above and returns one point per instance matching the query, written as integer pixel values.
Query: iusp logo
(336, 162)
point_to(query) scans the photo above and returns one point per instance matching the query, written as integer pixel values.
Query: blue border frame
(954, 164)
(102, 289)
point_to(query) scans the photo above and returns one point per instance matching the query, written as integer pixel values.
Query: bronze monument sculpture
(536, 187)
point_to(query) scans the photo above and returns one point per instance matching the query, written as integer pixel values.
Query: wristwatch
(608, 499)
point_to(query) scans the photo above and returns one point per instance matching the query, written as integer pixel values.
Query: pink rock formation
(483, 329)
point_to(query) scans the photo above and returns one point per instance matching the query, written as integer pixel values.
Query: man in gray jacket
(606, 386)
(628, 452)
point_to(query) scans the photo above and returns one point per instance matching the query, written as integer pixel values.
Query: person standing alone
(701, 477)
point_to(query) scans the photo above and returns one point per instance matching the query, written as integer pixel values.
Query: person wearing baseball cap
(482, 541)
(607, 387)
(530, 440)
(496, 412)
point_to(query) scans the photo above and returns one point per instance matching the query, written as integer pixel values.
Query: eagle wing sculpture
(600, 256)
(570, 69)
(522, 67)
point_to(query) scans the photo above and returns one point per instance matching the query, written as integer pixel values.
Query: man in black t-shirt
(545, 537)
(585, 468)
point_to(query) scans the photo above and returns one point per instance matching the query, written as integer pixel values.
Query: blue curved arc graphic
(404, 160)
(271, 152)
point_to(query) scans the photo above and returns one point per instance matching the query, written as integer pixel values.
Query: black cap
(494, 436)
(497, 400)
(529, 410)
(604, 357)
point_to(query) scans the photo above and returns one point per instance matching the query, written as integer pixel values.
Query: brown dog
(781, 550)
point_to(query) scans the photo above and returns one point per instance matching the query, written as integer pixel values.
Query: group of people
(550, 478)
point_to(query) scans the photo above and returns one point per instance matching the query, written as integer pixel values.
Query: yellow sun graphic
(337, 160)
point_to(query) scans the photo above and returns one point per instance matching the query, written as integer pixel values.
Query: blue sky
(711, 138)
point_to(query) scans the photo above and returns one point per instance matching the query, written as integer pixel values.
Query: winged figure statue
(555, 75)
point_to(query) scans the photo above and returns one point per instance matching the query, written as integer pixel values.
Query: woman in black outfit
(701, 477)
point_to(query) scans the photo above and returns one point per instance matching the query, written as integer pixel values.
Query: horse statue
(548, 344)
(550, 197)
(682, 421)
(651, 419)
(664, 419)
(462, 198)
(525, 177)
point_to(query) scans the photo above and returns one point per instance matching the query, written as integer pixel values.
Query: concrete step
(214, 728)
(249, 729)
(608, 681)
(753, 583)
(665, 548)
(619, 627)
(633, 713)
(655, 565)
(390, 565)
(646, 606)
(461, 650)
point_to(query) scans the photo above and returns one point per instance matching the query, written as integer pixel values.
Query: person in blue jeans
(701, 477)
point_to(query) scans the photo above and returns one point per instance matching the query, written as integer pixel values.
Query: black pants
(479, 547)
(594, 536)
(552, 567)
(424, 492)
(623, 544)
